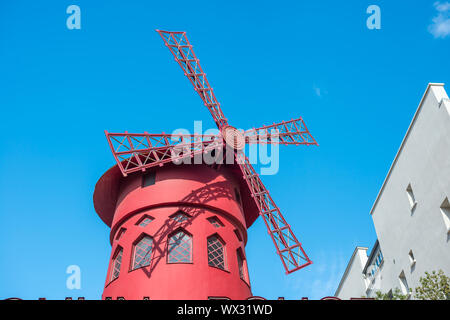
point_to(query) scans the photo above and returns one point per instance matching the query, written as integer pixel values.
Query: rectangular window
(445, 210)
(412, 260)
(403, 283)
(216, 252)
(237, 195)
(242, 265)
(238, 234)
(411, 197)
(148, 179)
(116, 265)
(120, 233)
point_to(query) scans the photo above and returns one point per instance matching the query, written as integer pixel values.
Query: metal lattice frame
(179, 45)
(216, 252)
(288, 247)
(180, 248)
(143, 252)
(137, 152)
(286, 132)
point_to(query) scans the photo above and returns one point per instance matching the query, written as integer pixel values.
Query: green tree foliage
(396, 294)
(434, 286)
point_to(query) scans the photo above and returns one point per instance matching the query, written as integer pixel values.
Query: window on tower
(116, 263)
(120, 233)
(144, 221)
(179, 247)
(216, 252)
(142, 252)
(215, 222)
(238, 234)
(237, 195)
(148, 179)
(242, 265)
(180, 216)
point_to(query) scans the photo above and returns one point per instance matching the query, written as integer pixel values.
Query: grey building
(411, 213)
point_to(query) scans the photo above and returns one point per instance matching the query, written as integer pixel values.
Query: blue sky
(356, 88)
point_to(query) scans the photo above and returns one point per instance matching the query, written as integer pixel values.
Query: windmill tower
(178, 231)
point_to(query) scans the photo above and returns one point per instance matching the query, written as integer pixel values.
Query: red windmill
(139, 154)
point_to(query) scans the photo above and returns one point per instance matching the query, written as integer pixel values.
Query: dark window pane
(148, 179)
(237, 195)
(240, 265)
(144, 221)
(180, 217)
(215, 222)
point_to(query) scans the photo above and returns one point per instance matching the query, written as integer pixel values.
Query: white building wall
(422, 162)
(352, 284)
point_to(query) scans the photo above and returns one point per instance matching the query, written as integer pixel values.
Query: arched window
(180, 248)
(216, 252)
(142, 252)
(116, 263)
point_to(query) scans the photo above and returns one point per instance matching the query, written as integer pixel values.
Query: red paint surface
(201, 192)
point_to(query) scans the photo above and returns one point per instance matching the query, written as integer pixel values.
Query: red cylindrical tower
(177, 232)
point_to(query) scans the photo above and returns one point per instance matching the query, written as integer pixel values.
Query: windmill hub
(233, 137)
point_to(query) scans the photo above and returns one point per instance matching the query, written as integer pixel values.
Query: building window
(148, 179)
(215, 222)
(412, 260)
(390, 294)
(379, 259)
(216, 252)
(411, 197)
(375, 265)
(120, 233)
(180, 248)
(403, 283)
(117, 261)
(242, 265)
(144, 221)
(237, 195)
(142, 252)
(180, 217)
(445, 210)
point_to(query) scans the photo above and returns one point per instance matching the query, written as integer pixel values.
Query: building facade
(411, 213)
